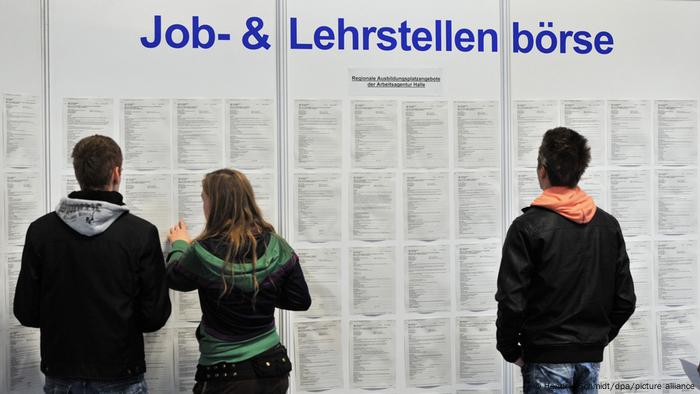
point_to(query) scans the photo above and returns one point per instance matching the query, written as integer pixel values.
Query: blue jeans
(133, 385)
(560, 378)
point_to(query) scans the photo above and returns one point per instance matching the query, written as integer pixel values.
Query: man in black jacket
(93, 280)
(564, 285)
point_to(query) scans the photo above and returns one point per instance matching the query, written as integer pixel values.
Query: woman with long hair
(242, 270)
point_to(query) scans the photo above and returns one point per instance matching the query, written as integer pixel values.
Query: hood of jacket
(571, 203)
(91, 212)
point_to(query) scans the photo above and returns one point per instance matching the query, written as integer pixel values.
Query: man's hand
(519, 362)
(179, 233)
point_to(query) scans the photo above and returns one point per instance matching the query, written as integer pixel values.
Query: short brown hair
(94, 158)
(565, 155)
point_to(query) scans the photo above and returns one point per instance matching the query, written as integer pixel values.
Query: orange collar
(571, 203)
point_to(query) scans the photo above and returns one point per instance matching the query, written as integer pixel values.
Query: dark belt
(225, 371)
(270, 363)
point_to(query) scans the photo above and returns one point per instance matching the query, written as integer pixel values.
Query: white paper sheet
(372, 209)
(425, 134)
(676, 201)
(188, 309)
(199, 131)
(318, 362)
(317, 210)
(426, 206)
(373, 280)
(24, 359)
(630, 201)
(427, 278)
(372, 354)
(593, 182)
(4, 213)
(478, 271)
(158, 348)
(23, 131)
(149, 196)
(186, 358)
(641, 258)
(318, 129)
(374, 134)
(587, 117)
(83, 117)
(322, 273)
(5, 303)
(604, 372)
(676, 132)
(478, 204)
(477, 134)
(677, 272)
(428, 352)
(478, 360)
(532, 119)
(526, 187)
(14, 264)
(675, 336)
(189, 202)
(629, 124)
(25, 203)
(145, 127)
(5, 370)
(265, 189)
(632, 352)
(252, 135)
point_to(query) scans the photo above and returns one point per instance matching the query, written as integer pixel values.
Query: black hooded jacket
(93, 280)
(564, 288)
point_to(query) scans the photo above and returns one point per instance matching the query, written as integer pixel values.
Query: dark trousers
(276, 385)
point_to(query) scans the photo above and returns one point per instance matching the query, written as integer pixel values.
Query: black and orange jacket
(564, 284)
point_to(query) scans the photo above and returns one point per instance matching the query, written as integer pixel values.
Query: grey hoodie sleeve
(154, 300)
(27, 293)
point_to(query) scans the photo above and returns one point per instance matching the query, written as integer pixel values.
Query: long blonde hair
(234, 217)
